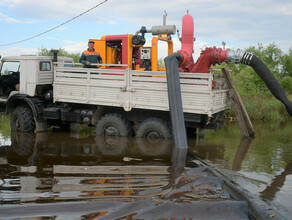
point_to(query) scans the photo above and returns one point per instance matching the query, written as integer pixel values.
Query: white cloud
(48, 9)
(68, 42)
(17, 51)
(75, 47)
(8, 3)
(5, 18)
(112, 22)
(72, 47)
(47, 27)
(52, 38)
(246, 22)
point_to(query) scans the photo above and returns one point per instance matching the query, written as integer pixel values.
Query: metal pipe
(175, 100)
(187, 36)
(55, 57)
(164, 18)
(160, 29)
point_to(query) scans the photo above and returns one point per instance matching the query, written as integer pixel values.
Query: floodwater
(76, 175)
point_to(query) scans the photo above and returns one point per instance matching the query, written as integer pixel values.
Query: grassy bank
(265, 108)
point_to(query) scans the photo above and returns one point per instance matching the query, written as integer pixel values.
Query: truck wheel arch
(34, 104)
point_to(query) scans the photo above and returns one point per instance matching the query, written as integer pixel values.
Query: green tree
(286, 62)
(257, 98)
(160, 62)
(280, 64)
(62, 52)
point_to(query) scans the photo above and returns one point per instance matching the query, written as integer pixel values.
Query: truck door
(9, 77)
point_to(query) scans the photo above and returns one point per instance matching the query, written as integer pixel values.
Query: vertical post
(244, 123)
(175, 100)
(241, 153)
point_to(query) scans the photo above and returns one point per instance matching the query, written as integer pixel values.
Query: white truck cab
(24, 74)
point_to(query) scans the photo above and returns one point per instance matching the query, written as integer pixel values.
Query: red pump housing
(209, 56)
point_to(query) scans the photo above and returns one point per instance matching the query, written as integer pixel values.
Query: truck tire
(153, 128)
(113, 125)
(154, 147)
(22, 120)
(21, 148)
(112, 146)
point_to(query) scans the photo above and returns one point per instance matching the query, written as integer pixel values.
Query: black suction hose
(175, 100)
(265, 74)
(240, 56)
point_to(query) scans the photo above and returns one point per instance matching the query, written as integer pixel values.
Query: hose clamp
(235, 56)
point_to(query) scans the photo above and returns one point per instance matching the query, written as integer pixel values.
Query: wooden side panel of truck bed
(137, 89)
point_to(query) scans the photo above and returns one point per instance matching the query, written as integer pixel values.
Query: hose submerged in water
(239, 56)
(175, 100)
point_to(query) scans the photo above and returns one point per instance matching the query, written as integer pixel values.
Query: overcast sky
(238, 23)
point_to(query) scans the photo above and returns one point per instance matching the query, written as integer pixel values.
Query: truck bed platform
(137, 89)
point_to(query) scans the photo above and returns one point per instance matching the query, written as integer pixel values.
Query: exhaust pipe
(55, 54)
(240, 56)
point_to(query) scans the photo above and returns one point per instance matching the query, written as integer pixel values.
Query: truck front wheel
(22, 120)
(113, 125)
(153, 128)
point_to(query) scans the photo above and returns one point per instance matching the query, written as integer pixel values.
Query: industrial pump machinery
(212, 56)
(128, 49)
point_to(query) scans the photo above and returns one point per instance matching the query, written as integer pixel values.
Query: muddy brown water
(77, 175)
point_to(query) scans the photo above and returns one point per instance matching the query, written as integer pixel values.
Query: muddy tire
(22, 120)
(113, 125)
(21, 148)
(112, 146)
(153, 128)
(154, 147)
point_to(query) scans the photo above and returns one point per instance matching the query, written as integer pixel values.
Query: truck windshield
(10, 67)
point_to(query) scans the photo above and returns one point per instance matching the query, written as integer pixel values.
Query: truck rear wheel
(22, 120)
(113, 125)
(153, 128)
(112, 146)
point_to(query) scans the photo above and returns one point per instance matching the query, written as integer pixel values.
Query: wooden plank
(243, 119)
(112, 170)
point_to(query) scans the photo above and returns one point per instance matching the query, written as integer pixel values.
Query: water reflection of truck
(98, 167)
(45, 148)
(45, 170)
(125, 96)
